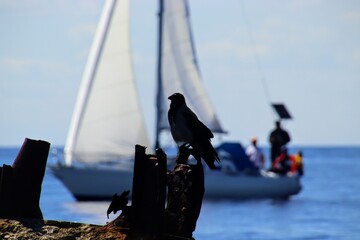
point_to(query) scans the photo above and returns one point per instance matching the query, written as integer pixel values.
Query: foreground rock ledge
(49, 229)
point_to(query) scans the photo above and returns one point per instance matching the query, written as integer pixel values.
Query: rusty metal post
(20, 186)
(148, 194)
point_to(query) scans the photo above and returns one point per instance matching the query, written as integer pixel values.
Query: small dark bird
(118, 203)
(186, 128)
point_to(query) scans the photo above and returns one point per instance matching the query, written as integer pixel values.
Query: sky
(305, 54)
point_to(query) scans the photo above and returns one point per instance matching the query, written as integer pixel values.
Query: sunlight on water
(97, 210)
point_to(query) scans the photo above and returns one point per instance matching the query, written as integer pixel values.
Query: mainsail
(107, 121)
(178, 70)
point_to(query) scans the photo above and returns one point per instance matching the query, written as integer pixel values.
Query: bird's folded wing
(196, 126)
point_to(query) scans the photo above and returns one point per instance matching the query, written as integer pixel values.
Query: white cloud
(16, 64)
(352, 16)
(78, 32)
(45, 7)
(249, 51)
(306, 3)
(20, 65)
(357, 56)
(231, 48)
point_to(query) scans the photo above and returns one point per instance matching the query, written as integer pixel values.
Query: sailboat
(108, 121)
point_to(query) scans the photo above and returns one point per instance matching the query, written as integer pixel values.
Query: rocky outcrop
(31, 229)
(38, 229)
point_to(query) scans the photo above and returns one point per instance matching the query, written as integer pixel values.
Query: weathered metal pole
(20, 185)
(148, 194)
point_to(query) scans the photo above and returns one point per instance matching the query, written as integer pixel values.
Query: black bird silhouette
(118, 203)
(186, 128)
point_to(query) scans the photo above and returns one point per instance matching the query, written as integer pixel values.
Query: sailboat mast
(159, 93)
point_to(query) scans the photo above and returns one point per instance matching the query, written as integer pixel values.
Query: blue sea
(328, 207)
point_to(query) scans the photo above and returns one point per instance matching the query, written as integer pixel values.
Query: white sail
(179, 70)
(107, 121)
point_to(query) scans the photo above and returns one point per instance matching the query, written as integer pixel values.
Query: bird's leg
(196, 154)
(183, 155)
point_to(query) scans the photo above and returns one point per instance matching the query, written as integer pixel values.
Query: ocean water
(328, 207)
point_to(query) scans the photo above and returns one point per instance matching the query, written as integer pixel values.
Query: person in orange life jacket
(281, 163)
(297, 163)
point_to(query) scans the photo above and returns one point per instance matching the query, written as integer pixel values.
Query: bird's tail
(207, 152)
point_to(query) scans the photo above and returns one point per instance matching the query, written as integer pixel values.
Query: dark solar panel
(281, 111)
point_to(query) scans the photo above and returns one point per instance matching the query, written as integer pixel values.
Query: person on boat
(278, 138)
(297, 163)
(281, 164)
(255, 154)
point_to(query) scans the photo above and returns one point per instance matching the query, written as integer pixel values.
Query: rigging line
(257, 59)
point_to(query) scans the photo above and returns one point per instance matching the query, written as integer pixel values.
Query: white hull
(102, 184)
(220, 185)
